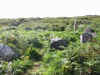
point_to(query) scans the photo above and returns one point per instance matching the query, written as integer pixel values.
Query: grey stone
(88, 35)
(27, 28)
(57, 43)
(85, 37)
(6, 53)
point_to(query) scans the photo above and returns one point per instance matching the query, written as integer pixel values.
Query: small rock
(28, 28)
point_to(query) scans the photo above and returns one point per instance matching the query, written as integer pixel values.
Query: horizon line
(47, 17)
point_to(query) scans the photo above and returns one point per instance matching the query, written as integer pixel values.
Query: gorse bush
(20, 66)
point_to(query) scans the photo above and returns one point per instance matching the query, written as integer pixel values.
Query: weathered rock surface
(57, 43)
(85, 37)
(6, 53)
(88, 35)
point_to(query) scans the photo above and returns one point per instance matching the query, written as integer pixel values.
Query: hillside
(26, 46)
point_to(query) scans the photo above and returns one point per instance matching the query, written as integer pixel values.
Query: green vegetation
(30, 38)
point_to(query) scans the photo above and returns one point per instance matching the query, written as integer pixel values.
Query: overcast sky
(48, 8)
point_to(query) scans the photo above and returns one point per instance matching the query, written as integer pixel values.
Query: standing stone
(88, 35)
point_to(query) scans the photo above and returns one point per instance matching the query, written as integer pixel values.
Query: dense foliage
(30, 38)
